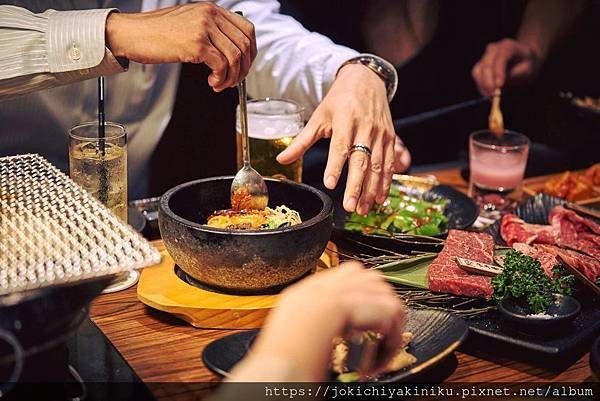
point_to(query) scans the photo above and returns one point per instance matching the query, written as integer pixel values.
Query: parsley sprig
(523, 279)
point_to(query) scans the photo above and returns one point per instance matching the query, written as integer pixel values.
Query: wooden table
(162, 348)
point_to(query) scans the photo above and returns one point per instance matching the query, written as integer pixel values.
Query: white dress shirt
(46, 49)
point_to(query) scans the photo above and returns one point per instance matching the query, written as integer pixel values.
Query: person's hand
(192, 33)
(506, 61)
(355, 111)
(296, 341)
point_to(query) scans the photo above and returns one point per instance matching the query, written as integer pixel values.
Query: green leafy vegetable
(523, 279)
(402, 214)
(349, 377)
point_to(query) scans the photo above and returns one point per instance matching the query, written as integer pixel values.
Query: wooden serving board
(160, 288)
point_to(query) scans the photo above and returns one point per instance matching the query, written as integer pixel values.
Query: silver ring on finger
(359, 147)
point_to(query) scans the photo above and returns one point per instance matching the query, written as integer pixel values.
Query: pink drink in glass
(497, 164)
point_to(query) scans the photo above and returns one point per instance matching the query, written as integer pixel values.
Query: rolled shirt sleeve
(39, 51)
(292, 62)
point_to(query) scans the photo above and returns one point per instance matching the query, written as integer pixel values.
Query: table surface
(162, 348)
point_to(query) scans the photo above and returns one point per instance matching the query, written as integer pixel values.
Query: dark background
(199, 141)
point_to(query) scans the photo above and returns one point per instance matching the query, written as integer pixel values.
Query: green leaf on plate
(410, 272)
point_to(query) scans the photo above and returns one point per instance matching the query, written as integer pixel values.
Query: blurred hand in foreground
(505, 62)
(355, 111)
(296, 341)
(192, 33)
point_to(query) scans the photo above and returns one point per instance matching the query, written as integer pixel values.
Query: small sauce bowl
(556, 319)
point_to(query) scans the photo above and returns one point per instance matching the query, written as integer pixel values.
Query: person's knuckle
(389, 167)
(245, 44)
(342, 150)
(221, 64)
(376, 167)
(355, 189)
(507, 42)
(236, 56)
(210, 8)
(359, 162)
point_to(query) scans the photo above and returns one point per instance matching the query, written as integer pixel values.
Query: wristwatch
(384, 69)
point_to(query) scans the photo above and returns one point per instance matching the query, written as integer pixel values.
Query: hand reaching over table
(191, 33)
(516, 61)
(296, 341)
(505, 61)
(356, 116)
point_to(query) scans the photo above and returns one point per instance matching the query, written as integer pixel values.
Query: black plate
(595, 358)
(436, 335)
(460, 210)
(533, 210)
(494, 331)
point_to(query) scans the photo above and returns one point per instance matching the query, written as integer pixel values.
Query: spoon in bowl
(495, 119)
(248, 189)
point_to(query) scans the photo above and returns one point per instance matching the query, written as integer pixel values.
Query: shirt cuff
(335, 61)
(75, 42)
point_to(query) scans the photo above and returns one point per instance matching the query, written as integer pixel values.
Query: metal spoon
(248, 189)
(495, 119)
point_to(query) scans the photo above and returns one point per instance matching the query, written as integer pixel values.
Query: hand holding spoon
(248, 189)
(495, 119)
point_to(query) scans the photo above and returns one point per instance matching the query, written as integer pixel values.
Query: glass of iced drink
(497, 164)
(272, 125)
(100, 165)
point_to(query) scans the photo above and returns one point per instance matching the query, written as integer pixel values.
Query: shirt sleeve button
(74, 52)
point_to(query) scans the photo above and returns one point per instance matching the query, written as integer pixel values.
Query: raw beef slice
(445, 275)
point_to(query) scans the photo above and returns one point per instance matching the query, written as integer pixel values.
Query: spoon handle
(244, 121)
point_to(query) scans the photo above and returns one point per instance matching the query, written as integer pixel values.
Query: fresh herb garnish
(524, 279)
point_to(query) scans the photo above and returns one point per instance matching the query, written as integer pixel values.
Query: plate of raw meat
(544, 228)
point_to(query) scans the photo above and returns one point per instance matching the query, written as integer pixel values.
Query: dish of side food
(581, 187)
(587, 102)
(434, 335)
(410, 215)
(402, 214)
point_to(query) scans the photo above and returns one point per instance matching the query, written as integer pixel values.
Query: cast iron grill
(54, 232)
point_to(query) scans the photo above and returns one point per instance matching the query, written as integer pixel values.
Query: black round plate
(136, 219)
(534, 210)
(436, 334)
(595, 358)
(460, 210)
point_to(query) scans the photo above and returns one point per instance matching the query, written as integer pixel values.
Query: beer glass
(272, 125)
(100, 165)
